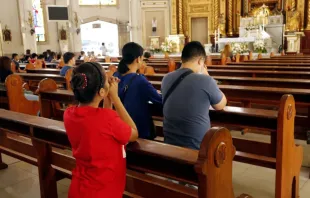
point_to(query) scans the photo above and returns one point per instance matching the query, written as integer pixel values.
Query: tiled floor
(20, 180)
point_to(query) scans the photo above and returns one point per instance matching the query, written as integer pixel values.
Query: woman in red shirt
(97, 135)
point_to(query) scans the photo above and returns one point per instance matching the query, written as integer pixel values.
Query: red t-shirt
(97, 137)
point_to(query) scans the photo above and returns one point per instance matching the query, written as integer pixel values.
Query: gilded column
(185, 20)
(180, 17)
(245, 7)
(293, 4)
(308, 17)
(216, 14)
(279, 7)
(173, 17)
(230, 18)
(301, 10)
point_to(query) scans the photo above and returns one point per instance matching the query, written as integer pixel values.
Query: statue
(293, 19)
(63, 34)
(222, 24)
(7, 35)
(261, 15)
(154, 26)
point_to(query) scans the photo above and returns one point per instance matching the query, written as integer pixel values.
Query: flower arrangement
(167, 46)
(259, 46)
(239, 48)
(154, 49)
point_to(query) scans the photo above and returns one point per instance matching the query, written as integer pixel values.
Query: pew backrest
(16, 97)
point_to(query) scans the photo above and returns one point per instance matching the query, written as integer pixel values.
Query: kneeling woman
(97, 135)
(136, 91)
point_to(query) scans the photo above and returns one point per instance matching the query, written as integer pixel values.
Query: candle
(218, 31)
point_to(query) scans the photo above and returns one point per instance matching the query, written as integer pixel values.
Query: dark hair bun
(87, 79)
(77, 81)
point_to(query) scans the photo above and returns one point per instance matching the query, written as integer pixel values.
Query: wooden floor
(20, 180)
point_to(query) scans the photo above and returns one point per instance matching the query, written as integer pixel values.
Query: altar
(260, 30)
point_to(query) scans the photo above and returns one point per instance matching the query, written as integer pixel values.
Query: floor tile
(240, 168)
(305, 190)
(13, 175)
(8, 160)
(65, 182)
(26, 167)
(29, 188)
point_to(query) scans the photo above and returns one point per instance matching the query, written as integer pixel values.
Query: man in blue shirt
(186, 110)
(69, 61)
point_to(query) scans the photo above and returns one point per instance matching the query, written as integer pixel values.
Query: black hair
(41, 56)
(147, 55)
(53, 54)
(85, 91)
(68, 56)
(130, 52)
(14, 55)
(48, 51)
(58, 56)
(44, 54)
(102, 43)
(193, 50)
(34, 55)
(82, 52)
(28, 51)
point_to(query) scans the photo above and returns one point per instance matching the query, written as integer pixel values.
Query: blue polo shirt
(64, 70)
(139, 93)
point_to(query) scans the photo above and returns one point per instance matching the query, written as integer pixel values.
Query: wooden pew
(265, 68)
(16, 98)
(270, 64)
(210, 168)
(246, 81)
(44, 71)
(231, 117)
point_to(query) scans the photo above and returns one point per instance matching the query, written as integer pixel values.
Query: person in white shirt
(104, 50)
(154, 26)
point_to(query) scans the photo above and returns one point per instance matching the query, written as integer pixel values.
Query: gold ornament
(180, 17)
(230, 20)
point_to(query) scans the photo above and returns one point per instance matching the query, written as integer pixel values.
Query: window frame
(97, 5)
(44, 12)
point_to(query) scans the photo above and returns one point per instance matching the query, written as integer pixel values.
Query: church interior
(67, 129)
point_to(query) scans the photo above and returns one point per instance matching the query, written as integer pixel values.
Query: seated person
(5, 71)
(54, 57)
(49, 56)
(69, 61)
(98, 136)
(15, 60)
(41, 61)
(27, 56)
(186, 107)
(33, 58)
(144, 69)
(81, 56)
(227, 52)
(136, 91)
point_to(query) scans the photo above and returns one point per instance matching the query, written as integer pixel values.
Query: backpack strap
(175, 84)
(127, 87)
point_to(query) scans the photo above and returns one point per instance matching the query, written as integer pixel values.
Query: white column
(135, 21)
(65, 45)
(76, 38)
(25, 13)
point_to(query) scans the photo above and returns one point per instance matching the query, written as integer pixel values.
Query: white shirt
(154, 23)
(104, 50)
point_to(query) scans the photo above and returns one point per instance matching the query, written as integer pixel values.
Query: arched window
(39, 20)
(98, 2)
